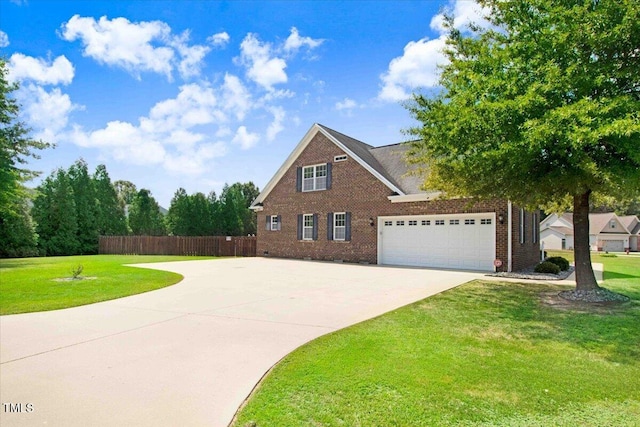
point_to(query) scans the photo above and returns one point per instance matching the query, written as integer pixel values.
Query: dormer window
(612, 223)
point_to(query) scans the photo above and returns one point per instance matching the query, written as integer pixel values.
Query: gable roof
(599, 222)
(363, 151)
(386, 163)
(567, 231)
(631, 222)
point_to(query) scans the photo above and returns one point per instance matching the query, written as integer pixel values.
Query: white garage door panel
(455, 244)
(613, 245)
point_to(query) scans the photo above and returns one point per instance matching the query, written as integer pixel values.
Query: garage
(460, 241)
(613, 245)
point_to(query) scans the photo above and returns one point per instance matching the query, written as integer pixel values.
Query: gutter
(509, 236)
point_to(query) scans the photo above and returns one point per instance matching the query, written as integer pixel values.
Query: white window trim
(522, 219)
(274, 224)
(314, 178)
(305, 227)
(342, 227)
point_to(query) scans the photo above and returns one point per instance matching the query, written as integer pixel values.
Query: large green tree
(542, 106)
(144, 215)
(17, 235)
(110, 218)
(54, 211)
(84, 194)
(178, 216)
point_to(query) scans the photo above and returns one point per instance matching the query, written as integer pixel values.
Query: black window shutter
(268, 225)
(330, 226)
(298, 179)
(279, 222)
(329, 176)
(315, 227)
(300, 227)
(347, 226)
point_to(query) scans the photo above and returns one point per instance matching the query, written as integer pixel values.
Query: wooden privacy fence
(178, 245)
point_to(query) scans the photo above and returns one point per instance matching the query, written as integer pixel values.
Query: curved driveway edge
(189, 354)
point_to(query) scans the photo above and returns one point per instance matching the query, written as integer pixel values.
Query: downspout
(509, 233)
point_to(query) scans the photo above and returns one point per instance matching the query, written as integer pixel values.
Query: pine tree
(86, 207)
(54, 211)
(145, 218)
(177, 217)
(18, 236)
(110, 218)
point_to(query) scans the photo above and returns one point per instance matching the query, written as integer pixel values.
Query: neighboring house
(337, 198)
(607, 232)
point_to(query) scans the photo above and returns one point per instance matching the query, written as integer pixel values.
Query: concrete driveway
(188, 354)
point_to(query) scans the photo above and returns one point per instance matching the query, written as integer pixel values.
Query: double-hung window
(339, 226)
(275, 222)
(307, 227)
(314, 177)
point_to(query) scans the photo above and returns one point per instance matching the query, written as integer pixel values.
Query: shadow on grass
(611, 331)
(612, 275)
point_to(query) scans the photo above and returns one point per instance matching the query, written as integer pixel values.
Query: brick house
(337, 198)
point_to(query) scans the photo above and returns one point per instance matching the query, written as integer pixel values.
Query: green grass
(621, 272)
(483, 354)
(28, 284)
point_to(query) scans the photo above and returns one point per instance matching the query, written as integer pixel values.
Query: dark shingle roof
(394, 159)
(389, 161)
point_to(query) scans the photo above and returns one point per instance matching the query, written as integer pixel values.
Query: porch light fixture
(371, 222)
(501, 218)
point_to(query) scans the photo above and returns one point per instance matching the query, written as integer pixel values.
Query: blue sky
(196, 94)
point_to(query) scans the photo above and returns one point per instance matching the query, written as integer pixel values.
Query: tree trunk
(585, 279)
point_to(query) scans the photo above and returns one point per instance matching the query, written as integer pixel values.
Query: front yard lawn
(40, 284)
(484, 354)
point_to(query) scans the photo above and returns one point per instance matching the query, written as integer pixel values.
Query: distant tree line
(71, 208)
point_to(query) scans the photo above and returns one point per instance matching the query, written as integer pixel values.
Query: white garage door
(613, 245)
(442, 241)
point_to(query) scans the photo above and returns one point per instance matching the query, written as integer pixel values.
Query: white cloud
(276, 125)
(264, 62)
(191, 56)
(346, 104)
(4, 39)
(121, 43)
(245, 139)
(295, 42)
(46, 112)
(237, 98)
(418, 67)
(195, 105)
(22, 67)
(464, 12)
(262, 66)
(195, 161)
(136, 47)
(219, 39)
(177, 133)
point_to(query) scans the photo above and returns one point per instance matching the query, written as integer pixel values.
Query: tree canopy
(144, 215)
(541, 106)
(17, 231)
